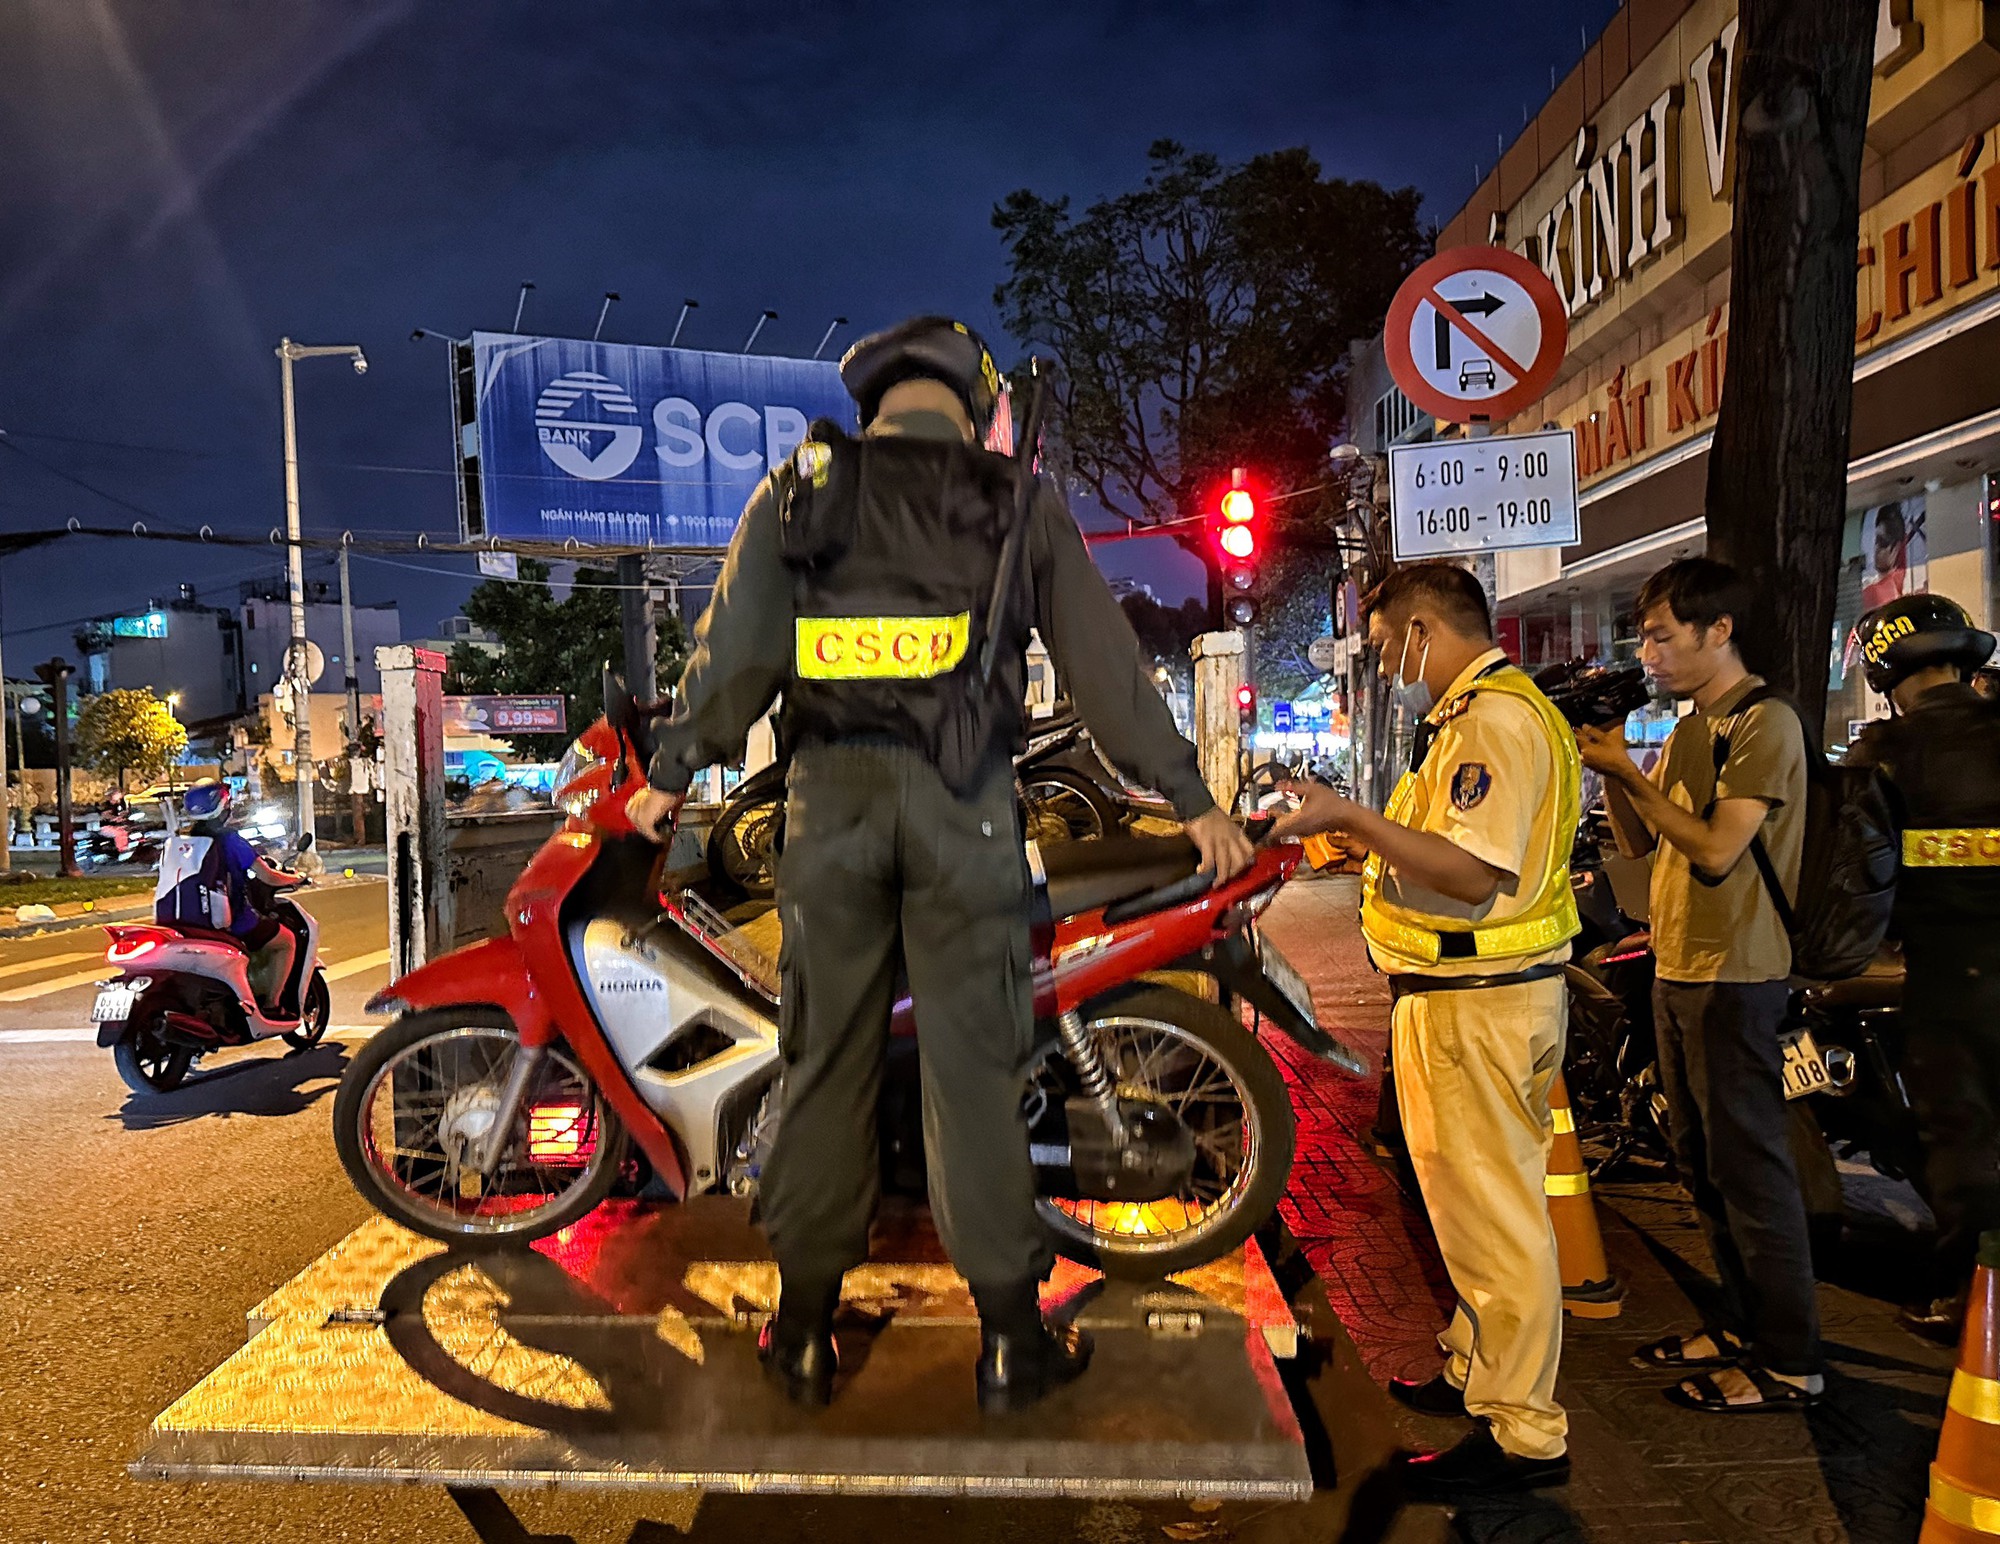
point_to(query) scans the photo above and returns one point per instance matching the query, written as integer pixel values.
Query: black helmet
(932, 348)
(1914, 633)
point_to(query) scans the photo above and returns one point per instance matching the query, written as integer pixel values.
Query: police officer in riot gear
(861, 584)
(1940, 753)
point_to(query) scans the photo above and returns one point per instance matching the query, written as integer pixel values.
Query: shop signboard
(1452, 497)
(568, 444)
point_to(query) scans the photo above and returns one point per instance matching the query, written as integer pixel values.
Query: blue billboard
(618, 445)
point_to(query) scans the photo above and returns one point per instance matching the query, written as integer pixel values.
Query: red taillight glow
(133, 944)
(560, 1133)
(1622, 959)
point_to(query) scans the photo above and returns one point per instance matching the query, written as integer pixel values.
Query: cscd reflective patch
(879, 648)
(1961, 847)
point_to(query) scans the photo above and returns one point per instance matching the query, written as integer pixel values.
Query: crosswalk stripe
(21, 994)
(23, 967)
(355, 966)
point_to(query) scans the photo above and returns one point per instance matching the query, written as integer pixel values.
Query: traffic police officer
(1466, 906)
(859, 583)
(1940, 753)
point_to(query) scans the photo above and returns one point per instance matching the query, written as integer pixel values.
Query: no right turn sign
(1476, 332)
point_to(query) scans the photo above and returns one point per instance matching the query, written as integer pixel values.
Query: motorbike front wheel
(1062, 806)
(415, 1103)
(1195, 1060)
(743, 847)
(313, 1022)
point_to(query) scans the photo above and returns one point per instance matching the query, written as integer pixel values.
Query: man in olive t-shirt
(1722, 955)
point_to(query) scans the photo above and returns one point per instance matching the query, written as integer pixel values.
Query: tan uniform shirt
(1729, 929)
(1488, 787)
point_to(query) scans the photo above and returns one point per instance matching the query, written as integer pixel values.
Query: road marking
(21, 994)
(355, 966)
(89, 1036)
(24, 966)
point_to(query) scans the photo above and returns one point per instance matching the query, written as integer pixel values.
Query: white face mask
(1412, 694)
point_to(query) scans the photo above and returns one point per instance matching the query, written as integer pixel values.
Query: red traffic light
(1238, 508)
(1239, 541)
(1246, 698)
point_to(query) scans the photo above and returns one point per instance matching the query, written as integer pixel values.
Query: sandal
(1669, 1352)
(1702, 1392)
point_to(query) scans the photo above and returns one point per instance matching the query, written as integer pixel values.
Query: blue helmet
(208, 800)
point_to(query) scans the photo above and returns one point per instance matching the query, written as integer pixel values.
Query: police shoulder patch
(1470, 784)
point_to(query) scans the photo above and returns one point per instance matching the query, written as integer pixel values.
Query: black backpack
(1847, 874)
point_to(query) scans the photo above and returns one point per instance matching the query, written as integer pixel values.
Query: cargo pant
(1473, 1072)
(883, 866)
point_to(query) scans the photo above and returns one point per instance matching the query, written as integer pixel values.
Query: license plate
(1290, 984)
(1805, 1069)
(114, 1004)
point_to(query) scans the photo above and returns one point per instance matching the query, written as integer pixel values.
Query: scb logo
(582, 420)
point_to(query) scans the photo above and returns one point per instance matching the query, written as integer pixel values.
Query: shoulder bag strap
(1759, 854)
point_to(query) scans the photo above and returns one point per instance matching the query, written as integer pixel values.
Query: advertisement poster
(466, 717)
(579, 444)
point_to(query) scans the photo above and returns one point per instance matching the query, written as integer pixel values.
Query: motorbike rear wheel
(743, 847)
(419, 1094)
(1063, 806)
(1194, 1058)
(147, 1063)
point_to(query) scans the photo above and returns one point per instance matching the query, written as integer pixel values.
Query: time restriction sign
(1478, 495)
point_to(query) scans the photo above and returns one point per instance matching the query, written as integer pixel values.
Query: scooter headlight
(577, 760)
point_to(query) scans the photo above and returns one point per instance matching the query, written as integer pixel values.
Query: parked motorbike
(183, 992)
(618, 1039)
(1065, 792)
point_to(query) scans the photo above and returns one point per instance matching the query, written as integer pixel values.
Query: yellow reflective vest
(1404, 939)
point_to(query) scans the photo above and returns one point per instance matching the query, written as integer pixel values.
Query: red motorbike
(619, 1038)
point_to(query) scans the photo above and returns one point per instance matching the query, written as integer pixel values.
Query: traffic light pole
(55, 675)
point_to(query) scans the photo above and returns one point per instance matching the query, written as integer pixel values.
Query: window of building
(1395, 416)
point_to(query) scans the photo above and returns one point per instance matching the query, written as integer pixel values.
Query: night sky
(184, 181)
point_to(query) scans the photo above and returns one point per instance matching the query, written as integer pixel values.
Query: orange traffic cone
(1590, 1291)
(1964, 1503)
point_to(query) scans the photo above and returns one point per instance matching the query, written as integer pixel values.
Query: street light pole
(295, 662)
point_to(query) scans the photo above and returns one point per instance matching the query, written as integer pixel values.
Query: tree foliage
(1202, 321)
(127, 731)
(551, 645)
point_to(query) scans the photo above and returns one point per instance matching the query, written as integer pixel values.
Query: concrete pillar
(1220, 666)
(420, 923)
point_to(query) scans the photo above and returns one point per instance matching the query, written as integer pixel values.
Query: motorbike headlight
(577, 760)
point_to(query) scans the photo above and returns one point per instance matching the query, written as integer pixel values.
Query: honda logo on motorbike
(572, 435)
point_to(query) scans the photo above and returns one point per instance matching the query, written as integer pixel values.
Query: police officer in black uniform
(1940, 753)
(859, 584)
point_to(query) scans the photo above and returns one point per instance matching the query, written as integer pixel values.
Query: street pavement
(142, 1228)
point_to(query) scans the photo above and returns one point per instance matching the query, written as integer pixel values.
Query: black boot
(1022, 1356)
(796, 1344)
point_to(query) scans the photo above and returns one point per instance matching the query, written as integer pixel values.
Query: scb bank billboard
(612, 444)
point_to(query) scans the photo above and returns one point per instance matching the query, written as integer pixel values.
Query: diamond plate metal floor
(621, 1354)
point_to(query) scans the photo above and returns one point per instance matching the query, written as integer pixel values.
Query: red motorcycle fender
(491, 973)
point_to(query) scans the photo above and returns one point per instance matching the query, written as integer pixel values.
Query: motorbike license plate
(1290, 984)
(1805, 1069)
(114, 1003)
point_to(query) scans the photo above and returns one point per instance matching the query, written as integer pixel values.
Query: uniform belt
(1411, 986)
(1954, 847)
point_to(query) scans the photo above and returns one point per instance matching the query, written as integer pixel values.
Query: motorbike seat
(1880, 985)
(1086, 876)
(208, 935)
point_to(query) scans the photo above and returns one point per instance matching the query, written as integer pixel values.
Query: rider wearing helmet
(858, 584)
(204, 882)
(1940, 752)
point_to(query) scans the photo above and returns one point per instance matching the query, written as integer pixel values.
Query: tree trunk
(1777, 471)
